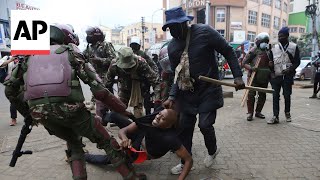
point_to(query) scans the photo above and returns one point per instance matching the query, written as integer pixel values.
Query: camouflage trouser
(71, 121)
(137, 110)
(261, 98)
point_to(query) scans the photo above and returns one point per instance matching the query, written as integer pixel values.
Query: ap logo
(30, 34)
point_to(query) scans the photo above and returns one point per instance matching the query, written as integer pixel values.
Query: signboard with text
(22, 6)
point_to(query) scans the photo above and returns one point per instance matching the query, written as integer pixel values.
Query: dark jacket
(204, 41)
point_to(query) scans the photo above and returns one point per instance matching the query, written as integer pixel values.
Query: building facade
(238, 20)
(150, 37)
(299, 23)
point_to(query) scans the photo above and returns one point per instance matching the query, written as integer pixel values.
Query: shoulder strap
(187, 40)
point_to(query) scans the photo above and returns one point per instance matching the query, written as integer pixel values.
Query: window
(302, 30)
(291, 0)
(6, 28)
(251, 35)
(221, 16)
(290, 7)
(221, 31)
(254, 0)
(284, 23)
(265, 20)
(128, 31)
(276, 23)
(285, 7)
(252, 18)
(293, 29)
(267, 2)
(278, 4)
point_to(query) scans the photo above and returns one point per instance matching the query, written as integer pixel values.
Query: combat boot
(250, 117)
(260, 115)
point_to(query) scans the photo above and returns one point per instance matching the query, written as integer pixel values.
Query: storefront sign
(196, 3)
(22, 6)
(236, 25)
(239, 36)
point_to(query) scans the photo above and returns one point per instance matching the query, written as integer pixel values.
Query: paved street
(249, 150)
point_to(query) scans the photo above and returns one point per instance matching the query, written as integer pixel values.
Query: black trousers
(13, 111)
(206, 121)
(284, 82)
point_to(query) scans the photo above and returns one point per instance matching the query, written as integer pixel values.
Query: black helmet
(63, 34)
(94, 34)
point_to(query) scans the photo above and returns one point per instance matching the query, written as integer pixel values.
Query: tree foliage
(304, 43)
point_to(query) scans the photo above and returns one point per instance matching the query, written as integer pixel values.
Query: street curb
(302, 86)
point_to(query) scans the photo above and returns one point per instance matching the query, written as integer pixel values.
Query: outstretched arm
(188, 161)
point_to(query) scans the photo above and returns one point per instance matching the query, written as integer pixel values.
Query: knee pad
(77, 163)
(100, 129)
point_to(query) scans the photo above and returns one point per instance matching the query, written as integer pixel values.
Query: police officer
(100, 55)
(135, 45)
(134, 74)
(263, 55)
(167, 74)
(54, 96)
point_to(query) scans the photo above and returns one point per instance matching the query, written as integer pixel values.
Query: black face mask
(179, 30)
(283, 39)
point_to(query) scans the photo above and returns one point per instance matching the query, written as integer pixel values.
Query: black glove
(239, 83)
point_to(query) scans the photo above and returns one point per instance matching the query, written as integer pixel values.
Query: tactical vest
(281, 59)
(263, 71)
(52, 78)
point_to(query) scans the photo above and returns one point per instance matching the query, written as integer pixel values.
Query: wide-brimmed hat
(175, 15)
(125, 58)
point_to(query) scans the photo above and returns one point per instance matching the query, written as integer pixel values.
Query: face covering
(178, 31)
(135, 47)
(263, 45)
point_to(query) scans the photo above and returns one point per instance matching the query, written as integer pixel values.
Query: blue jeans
(286, 83)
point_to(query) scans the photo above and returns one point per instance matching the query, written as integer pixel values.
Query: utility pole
(187, 4)
(207, 12)
(143, 29)
(311, 11)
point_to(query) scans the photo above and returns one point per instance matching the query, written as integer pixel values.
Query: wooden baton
(215, 81)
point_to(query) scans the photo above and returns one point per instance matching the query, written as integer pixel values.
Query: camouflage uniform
(145, 74)
(147, 96)
(66, 116)
(261, 78)
(100, 56)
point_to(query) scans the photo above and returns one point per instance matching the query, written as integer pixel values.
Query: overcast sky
(106, 12)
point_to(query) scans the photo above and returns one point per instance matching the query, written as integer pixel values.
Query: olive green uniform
(67, 117)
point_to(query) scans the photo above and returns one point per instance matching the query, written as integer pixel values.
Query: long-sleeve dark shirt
(204, 41)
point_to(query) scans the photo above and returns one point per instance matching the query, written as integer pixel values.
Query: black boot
(260, 115)
(250, 117)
